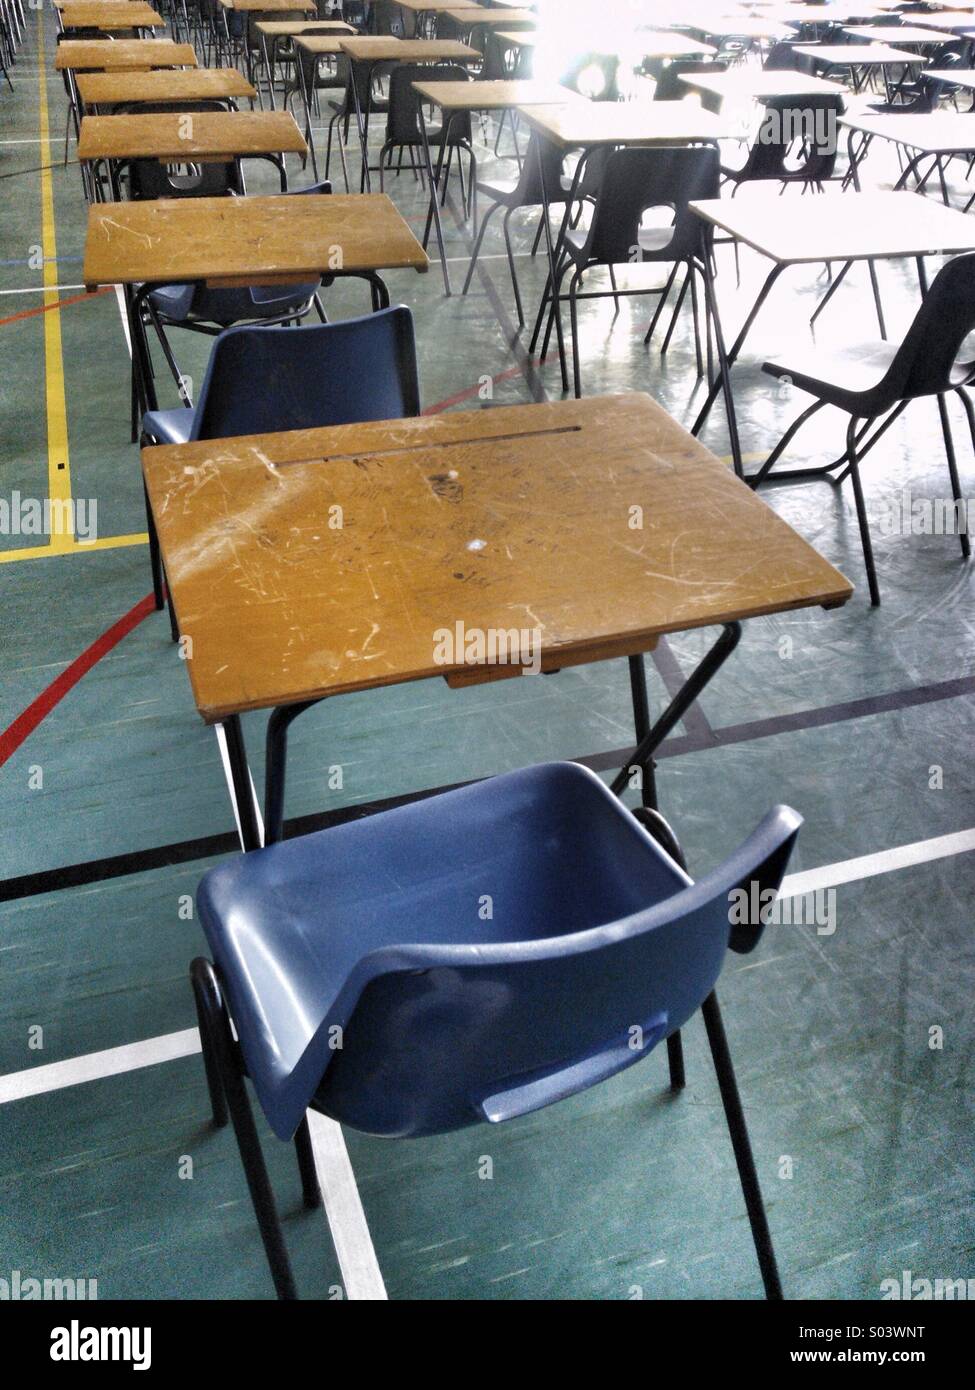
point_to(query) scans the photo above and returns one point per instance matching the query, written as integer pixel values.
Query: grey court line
(359, 1265)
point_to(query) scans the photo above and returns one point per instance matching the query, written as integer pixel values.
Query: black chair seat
(852, 378)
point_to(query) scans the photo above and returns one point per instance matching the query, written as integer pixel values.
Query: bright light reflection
(568, 30)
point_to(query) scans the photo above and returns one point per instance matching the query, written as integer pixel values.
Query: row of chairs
(13, 25)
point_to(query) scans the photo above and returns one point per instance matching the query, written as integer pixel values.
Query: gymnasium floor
(859, 718)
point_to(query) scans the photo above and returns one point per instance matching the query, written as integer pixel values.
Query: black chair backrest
(148, 179)
(669, 86)
(528, 191)
(403, 116)
(636, 180)
(931, 359)
(595, 75)
(783, 57)
(797, 139)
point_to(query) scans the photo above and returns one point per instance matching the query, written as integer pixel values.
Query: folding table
(459, 98)
(860, 58)
(105, 90)
(935, 134)
(109, 15)
(118, 55)
(237, 242)
(180, 137)
(864, 226)
(470, 523)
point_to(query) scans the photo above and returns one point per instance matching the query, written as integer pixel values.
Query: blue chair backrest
(260, 380)
(443, 1036)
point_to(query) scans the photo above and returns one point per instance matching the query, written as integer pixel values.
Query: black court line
(186, 851)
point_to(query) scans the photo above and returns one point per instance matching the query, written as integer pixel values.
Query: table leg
(241, 789)
(365, 182)
(306, 103)
(727, 359)
(276, 767)
(269, 71)
(703, 673)
(552, 286)
(434, 182)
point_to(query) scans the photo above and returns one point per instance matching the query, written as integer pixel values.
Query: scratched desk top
(515, 518)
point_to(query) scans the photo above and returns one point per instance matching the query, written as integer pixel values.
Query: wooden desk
(936, 134)
(859, 57)
(457, 98)
(601, 123)
(178, 137)
(110, 15)
(103, 89)
(758, 84)
(658, 43)
(238, 242)
(501, 519)
(107, 55)
(904, 33)
(496, 17)
(269, 6)
(876, 226)
(376, 51)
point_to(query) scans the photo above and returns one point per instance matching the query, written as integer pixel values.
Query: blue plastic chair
(260, 380)
(597, 947)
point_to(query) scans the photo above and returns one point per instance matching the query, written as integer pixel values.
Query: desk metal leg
(434, 181)
(240, 776)
(365, 181)
(275, 767)
(703, 673)
(269, 72)
(553, 283)
(306, 98)
(722, 381)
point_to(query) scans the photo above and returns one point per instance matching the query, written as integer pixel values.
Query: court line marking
(39, 289)
(58, 460)
(354, 1248)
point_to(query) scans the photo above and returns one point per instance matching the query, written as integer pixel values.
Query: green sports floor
(113, 804)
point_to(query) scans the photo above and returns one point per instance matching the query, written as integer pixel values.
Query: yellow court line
(72, 547)
(58, 462)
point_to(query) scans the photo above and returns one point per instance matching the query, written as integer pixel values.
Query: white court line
(362, 1278)
(39, 289)
(36, 1081)
(884, 862)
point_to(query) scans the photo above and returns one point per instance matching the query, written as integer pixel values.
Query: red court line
(25, 724)
(469, 391)
(61, 304)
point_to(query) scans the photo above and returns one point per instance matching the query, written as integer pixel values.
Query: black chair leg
(155, 561)
(210, 1000)
(854, 469)
(742, 1147)
(953, 474)
(310, 1189)
(675, 1060)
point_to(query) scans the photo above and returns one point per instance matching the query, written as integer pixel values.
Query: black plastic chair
(404, 131)
(526, 193)
(796, 143)
(873, 379)
(782, 57)
(636, 180)
(670, 87)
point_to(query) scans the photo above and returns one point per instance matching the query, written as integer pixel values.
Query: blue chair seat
(169, 426)
(298, 930)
